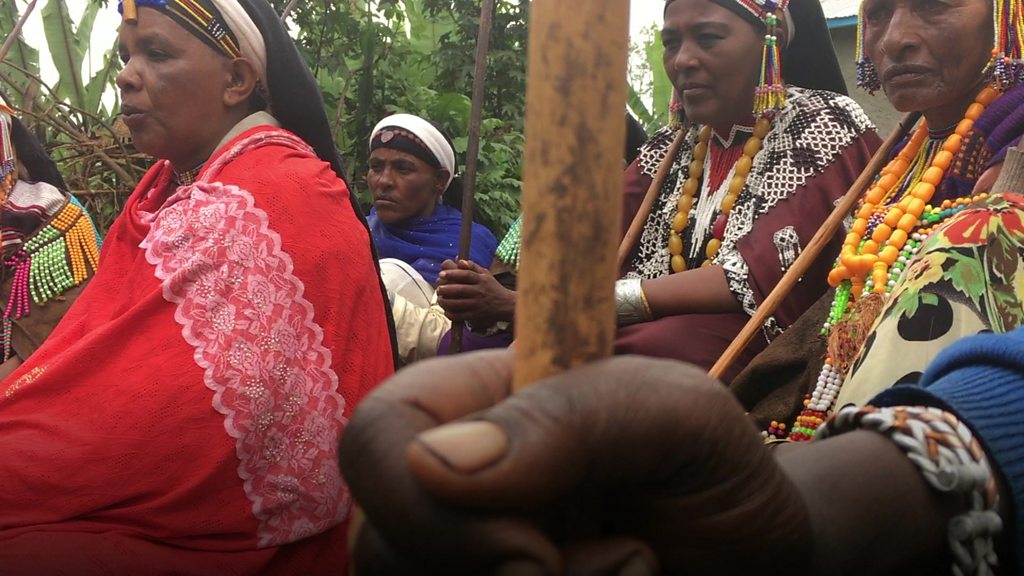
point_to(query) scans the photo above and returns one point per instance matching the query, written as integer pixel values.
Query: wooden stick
(814, 247)
(637, 225)
(13, 35)
(572, 185)
(483, 42)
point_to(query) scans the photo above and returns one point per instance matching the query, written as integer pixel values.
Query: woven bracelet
(951, 461)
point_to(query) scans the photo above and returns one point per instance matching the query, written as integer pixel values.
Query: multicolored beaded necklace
(692, 185)
(893, 219)
(58, 257)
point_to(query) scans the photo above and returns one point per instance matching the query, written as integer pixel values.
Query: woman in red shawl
(183, 418)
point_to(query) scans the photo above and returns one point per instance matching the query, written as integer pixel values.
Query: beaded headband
(404, 141)
(200, 18)
(432, 139)
(221, 24)
(1005, 68)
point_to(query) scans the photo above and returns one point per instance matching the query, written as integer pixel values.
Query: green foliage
(373, 58)
(650, 89)
(370, 57)
(21, 63)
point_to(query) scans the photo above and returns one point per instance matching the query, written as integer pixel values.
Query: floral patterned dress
(968, 277)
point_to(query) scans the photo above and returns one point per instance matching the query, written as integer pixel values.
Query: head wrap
(254, 29)
(808, 59)
(221, 24)
(418, 137)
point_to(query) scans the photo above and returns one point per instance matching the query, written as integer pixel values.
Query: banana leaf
(101, 81)
(661, 86)
(21, 56)
(65, 52)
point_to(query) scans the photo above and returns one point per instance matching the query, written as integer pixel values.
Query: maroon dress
(816, 148)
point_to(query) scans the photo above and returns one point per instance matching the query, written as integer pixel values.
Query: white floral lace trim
(243, 309)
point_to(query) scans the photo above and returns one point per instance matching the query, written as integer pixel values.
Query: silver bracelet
(630, 303)
(951, 461)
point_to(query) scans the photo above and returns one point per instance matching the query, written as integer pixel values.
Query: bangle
(952, 461)
(630, 303)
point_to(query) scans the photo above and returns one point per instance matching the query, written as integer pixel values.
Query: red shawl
(184, 416)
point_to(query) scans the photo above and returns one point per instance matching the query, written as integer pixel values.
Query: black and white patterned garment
(805, 138)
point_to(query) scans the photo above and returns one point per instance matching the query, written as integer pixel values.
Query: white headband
(426, 132)
(250, 41)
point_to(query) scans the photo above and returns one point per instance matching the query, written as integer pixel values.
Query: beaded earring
(867, 74)
(770, 94)
(676, 113)
(1006, 66)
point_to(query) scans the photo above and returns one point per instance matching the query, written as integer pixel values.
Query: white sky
(642, 14)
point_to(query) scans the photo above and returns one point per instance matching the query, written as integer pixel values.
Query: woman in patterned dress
(745, 191)
(960, 269)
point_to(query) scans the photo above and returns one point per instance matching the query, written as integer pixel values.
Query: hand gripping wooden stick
(483, 42)
(814, 247)
(572, 185)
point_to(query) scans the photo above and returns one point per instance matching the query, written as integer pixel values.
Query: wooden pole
(572, 185)
(13, 35)
(483, 42)
(814, 247)
(637, 225)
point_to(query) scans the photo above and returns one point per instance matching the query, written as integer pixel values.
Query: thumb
(471, 265)
(614, 422)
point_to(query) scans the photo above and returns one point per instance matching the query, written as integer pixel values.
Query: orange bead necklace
(691, 186)
(863, 259)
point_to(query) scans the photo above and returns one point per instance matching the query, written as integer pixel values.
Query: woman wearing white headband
(184, 416)
(411, 170)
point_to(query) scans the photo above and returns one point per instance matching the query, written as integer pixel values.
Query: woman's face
(173, 89)
(403, 186)
(929, 53)
(712, 56)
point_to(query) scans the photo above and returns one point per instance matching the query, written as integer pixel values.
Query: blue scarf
(425, 242)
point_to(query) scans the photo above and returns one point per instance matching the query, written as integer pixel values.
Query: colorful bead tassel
(867, 74)
(1006, 67)
(57, 258)
(770, 95)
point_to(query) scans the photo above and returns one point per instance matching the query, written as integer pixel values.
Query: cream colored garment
(419, 320)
